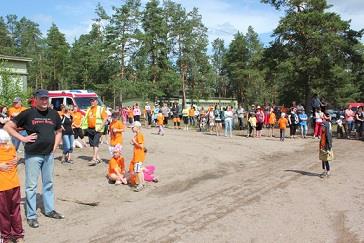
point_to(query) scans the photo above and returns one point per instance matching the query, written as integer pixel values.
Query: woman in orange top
(272, 121)
(116, 132)
(116, 170)
(76, 125)
(136, 165)
(13, 111)
(10, 217)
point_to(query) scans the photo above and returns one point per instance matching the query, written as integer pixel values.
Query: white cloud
(74, 32)
(350, 10)
(224, 18)
(43, 19)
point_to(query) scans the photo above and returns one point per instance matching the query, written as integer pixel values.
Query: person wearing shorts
(94, 121)
(76, 125)
(175, 115)
(136, 165)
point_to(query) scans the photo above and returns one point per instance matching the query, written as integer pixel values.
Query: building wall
(19, 71)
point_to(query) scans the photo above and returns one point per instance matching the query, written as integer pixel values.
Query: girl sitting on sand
(116, 170)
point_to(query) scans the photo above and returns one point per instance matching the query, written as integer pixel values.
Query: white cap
(4, 136)
(137, 124)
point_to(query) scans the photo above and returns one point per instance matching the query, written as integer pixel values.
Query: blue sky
(222, 17)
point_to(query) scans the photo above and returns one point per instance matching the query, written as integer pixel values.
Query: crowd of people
(255, 121)
(42, 129)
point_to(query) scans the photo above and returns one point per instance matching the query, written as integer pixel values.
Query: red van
(79, 98)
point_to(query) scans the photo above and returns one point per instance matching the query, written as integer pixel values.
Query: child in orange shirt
(130, 115)
(116, 170)
(116, 132)
(160, 123)
(136, 165)
(272, 121)
(10, 219)
(282, 123)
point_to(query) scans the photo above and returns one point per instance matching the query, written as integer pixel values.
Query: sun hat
(17, 100)
(4, 136)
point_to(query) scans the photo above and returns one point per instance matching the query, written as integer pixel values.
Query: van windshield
(84, 102)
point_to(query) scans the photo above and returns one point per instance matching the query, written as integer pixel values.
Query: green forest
(161, 50)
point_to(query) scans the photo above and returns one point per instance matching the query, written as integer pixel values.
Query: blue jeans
(68, 143)
(35, 165)
(303, 129)
(16, 142)
(229, 127)
(350, 125)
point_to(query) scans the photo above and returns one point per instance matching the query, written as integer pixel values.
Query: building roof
(13, 58)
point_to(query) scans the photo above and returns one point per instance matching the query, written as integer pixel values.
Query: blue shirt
(303, 119)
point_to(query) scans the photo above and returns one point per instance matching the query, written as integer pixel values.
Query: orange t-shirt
(13, 111)
(191, 112)
(130, 113)
(139, 155)
(77, 119)
(116, 137)
(91, 118)
(8, 179)
(272, 118)
(282, 122)
(160, 119)
(116, 164)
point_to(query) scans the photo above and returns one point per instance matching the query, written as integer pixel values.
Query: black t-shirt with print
(44, 124)
(67, 125)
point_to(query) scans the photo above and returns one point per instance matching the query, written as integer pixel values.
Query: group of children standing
(296, 118)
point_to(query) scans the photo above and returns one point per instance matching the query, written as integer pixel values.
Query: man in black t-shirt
(44, 128)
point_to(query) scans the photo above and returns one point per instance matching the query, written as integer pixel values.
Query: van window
(57, 102)
(84, 102)
(69, 101)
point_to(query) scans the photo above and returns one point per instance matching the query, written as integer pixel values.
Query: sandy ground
(213, 189)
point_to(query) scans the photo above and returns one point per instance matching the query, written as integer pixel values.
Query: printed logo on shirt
(47, 121)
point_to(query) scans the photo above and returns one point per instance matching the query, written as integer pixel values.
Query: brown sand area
(212, 189)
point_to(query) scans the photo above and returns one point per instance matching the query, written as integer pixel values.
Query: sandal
(93, 162)
(118, 182)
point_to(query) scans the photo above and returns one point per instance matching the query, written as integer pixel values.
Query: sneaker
(138, 188)
(54, 215)
(33, 223)
(323, 174)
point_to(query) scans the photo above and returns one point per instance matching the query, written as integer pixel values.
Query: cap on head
(137, 124)
(114, 115)
(117, 149)
(4, 136)
(92, 98)
(17, 100)
(41, 93)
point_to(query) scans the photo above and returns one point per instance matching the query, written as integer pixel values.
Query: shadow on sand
(305, 173)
